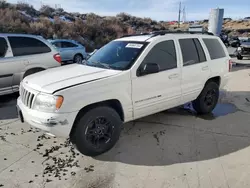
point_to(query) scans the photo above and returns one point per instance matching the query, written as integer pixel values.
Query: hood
(245, 44)
(53, 79)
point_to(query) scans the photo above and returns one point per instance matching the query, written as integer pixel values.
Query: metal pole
(179, 16)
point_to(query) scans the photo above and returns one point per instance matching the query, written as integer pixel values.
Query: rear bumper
(54, 123)
(224, 80)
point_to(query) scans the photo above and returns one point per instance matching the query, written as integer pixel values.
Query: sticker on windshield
(134, 45)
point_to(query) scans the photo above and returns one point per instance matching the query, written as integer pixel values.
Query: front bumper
(243, 51)
(54, 123)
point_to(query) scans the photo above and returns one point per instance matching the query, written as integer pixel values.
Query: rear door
(6, 69)
(28, 52)
(195, 70)
(69, 50)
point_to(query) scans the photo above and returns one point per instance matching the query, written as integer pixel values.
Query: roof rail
(164, 32)
(133, 35)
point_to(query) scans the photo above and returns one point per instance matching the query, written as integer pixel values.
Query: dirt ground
(171, 149)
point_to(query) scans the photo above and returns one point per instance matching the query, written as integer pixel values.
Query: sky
(155, 9)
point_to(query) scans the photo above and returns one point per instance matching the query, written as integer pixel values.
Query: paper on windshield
(134, 45)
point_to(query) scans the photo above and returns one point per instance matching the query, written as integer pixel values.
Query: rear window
(3, 47)
(215, 48)
(27, 46)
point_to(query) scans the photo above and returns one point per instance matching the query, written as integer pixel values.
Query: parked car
(22, 55)
(234, 42)
(70, 50)
(243, 50)
(128, 78)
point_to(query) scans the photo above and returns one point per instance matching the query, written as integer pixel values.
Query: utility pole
(179, 15)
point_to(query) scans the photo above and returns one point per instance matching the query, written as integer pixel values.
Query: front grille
(27, 97)
(246, 49)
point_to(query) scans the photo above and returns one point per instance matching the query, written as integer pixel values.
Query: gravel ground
(174, 148)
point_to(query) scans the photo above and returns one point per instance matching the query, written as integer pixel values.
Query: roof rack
(164, 32)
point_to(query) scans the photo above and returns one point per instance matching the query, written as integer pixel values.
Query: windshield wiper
(102, 64)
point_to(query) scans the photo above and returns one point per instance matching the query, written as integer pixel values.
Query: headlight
(47, 103)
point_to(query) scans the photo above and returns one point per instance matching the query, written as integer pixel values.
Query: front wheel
(97, 131)
(239, 57)
(208, 99)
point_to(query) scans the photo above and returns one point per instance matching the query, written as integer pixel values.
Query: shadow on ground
(180, 136)
(8, 106)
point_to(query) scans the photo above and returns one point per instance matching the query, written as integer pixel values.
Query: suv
(23, 55)
(70, 50)
(128, 78)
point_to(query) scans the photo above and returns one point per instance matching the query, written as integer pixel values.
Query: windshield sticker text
(134, 45)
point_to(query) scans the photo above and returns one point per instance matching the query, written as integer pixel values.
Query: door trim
(6, 75)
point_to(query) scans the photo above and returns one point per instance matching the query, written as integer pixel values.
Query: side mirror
(149, 68)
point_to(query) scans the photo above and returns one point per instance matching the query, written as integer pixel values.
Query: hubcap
(99, 132)
(210, 97)
(78, 59)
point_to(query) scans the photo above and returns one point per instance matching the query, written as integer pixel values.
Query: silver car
(70, 50)
(22, 55)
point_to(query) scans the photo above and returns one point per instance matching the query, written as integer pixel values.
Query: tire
(239, 57)
(86, 140)
(32, 71)
(78, 58)
(208, 99)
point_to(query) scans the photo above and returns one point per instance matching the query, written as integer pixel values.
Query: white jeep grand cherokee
(129, 78)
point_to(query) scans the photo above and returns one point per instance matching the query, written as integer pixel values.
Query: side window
(57, 44)
(68, 45)
(164, 54)
(3, 47)
(27, 46)
(201, 53)
(189, 52)
(215, 48)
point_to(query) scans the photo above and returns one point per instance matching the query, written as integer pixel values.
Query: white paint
(134, 45)
(139, 96)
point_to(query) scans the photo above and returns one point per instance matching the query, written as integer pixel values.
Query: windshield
(119, 55)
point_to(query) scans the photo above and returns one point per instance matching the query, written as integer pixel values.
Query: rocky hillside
(89, 29)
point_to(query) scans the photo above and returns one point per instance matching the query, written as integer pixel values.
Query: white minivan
(22, 55)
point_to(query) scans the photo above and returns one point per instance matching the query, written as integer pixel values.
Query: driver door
(152, 93)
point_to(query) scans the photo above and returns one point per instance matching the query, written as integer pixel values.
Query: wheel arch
(33, 70)
(113, 103)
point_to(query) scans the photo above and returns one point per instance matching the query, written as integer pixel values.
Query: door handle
(205, 68)
(172, 76)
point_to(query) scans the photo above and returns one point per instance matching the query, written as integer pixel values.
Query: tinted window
(201, 53)
(57, 44)
(163, 54)
(215, 49)
(189, 52)
(27, 46)
(68, 45)
(118, 55)
(3, 47)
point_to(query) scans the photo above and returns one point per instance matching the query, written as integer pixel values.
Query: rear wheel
(208, 99)
(32, 71)
(78, 58)
(97, 131)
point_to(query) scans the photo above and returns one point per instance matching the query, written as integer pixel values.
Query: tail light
(230, 64)
(57, 57)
